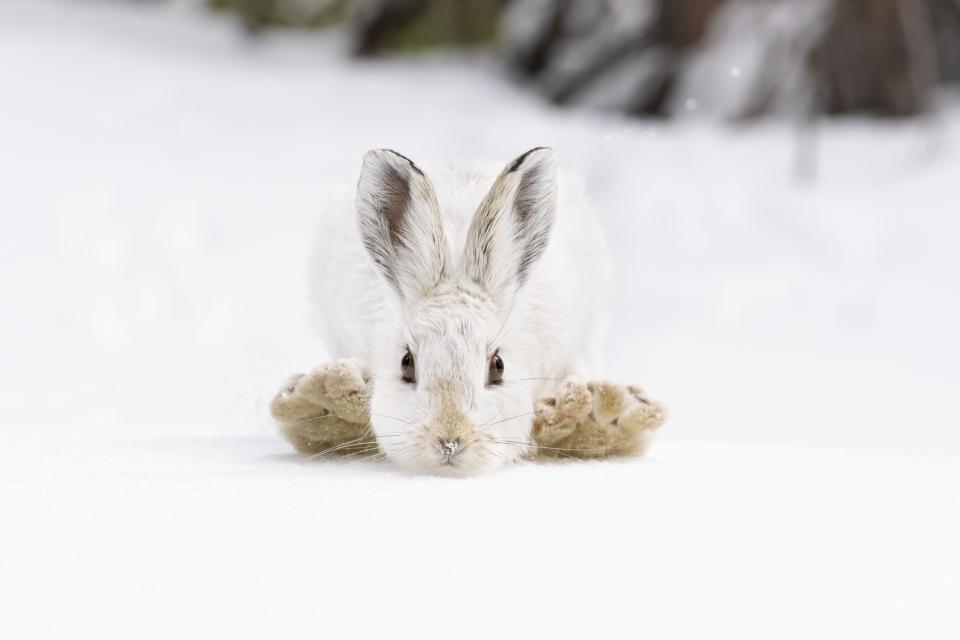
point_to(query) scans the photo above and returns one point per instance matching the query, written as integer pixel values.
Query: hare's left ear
(510, 230)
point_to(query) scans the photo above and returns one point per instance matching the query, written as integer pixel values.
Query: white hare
(463, 295)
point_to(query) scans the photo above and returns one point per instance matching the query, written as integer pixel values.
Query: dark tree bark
(945, 17)
(682, 24)
(876, 57)
(677, 26)
(534, 57)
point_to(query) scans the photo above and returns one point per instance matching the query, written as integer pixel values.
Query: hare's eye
(495, 373)
(408, 368)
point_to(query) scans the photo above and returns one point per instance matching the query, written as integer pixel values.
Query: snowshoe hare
(466, 308)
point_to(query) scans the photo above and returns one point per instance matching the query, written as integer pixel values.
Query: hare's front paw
(626, 415)
(556, 417)
(323, 409)
(596, 419)
(290, 404)
(340, 388)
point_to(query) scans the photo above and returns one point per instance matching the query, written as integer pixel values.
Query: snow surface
(789, 293)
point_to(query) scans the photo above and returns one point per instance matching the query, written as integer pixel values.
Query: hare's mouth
(445, 456)
(458, 459)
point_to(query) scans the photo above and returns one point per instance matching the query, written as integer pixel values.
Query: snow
(159, 535)
(789, 293)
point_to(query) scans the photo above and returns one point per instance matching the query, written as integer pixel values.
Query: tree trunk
(945, 17)
(877, 57)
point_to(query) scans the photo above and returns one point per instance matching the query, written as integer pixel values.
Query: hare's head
(450, 381)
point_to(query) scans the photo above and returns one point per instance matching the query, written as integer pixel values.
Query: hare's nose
(449, 447)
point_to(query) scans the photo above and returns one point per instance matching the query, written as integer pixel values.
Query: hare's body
(453, 309)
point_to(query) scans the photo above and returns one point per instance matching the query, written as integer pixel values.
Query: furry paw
(596, 419)
(340, 388)
(556, 417)
(328, 411)
(325, 410)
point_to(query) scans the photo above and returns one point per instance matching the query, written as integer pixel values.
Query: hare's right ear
(400, 223)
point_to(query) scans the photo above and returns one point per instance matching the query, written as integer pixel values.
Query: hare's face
(449, 391)
(450, 400)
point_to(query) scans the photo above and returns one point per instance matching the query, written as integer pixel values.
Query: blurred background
(778, 179)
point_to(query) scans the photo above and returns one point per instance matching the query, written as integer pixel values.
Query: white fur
(452, 302)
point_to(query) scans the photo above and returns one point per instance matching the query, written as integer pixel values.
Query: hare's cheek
(405, 451)
(394, 407)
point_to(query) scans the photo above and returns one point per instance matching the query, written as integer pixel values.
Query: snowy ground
(159, 181)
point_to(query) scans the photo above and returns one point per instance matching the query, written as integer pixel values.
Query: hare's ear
(510, 230)
(400, 223)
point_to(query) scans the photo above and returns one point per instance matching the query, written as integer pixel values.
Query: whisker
(533, 444)
(314, 419)
(519, 415)
(383, 415)
(297, 423)
(557, 451)
(402, 449)
(372, 456)
(566, 455)
(363, 451)
(352, 443)
(538, 446)
(358, 442)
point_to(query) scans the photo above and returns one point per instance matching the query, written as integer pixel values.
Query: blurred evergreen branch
(308, 14)
(412, 25)
(378, 26)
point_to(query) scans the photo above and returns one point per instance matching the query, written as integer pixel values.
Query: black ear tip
(391, 157)
(544, 153)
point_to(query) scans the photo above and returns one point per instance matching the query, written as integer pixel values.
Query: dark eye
(495, 373)
(408, 368)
